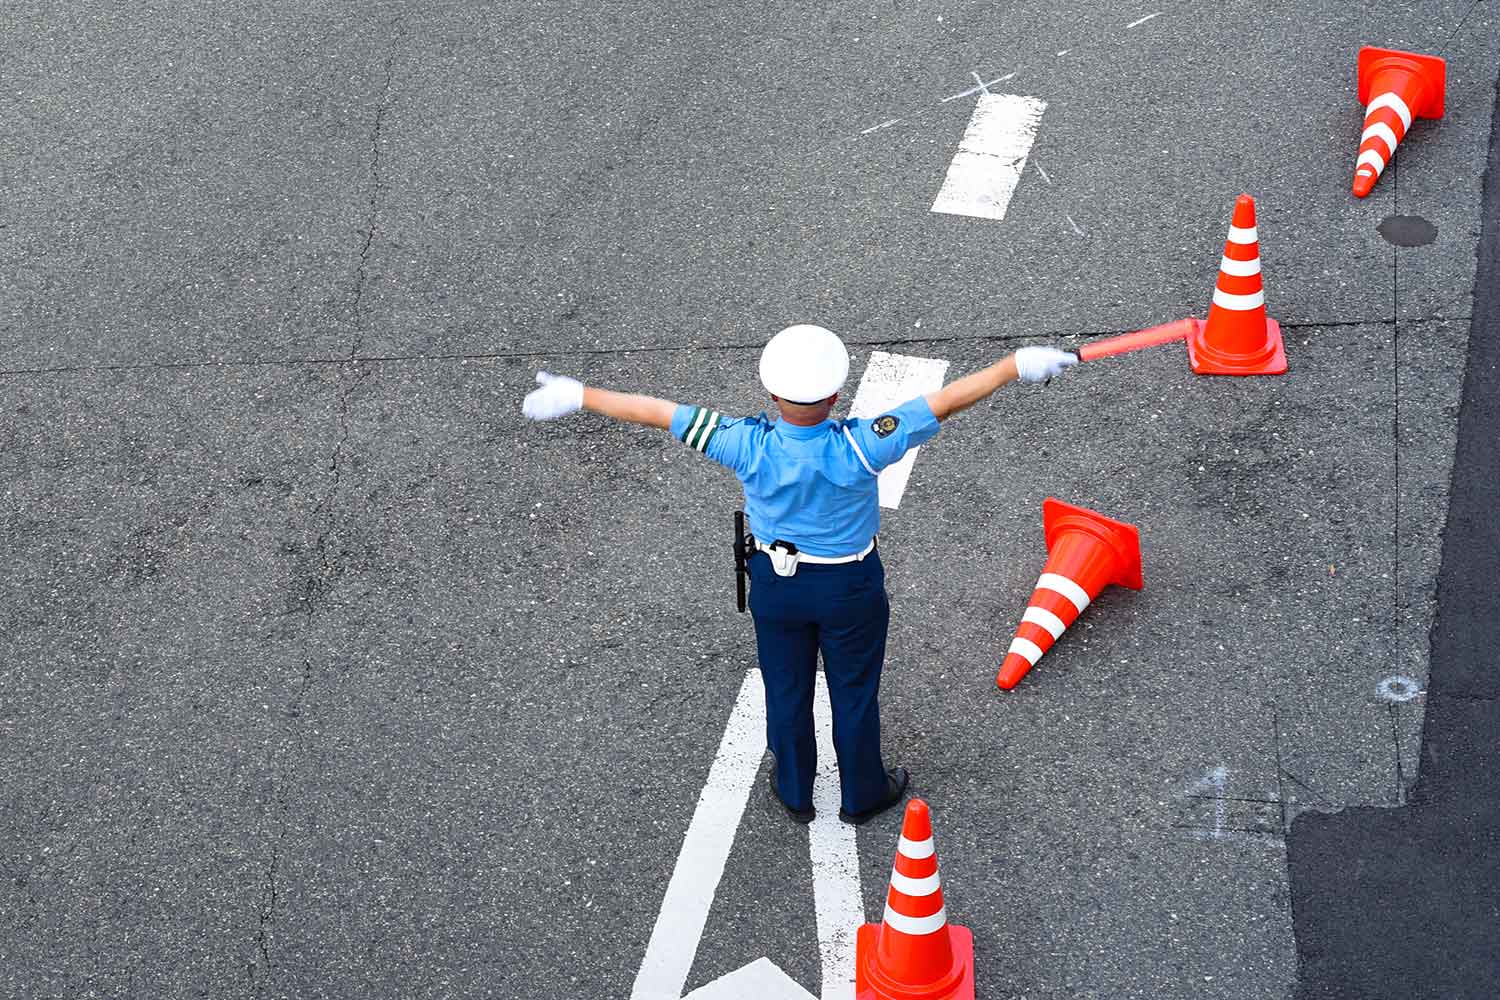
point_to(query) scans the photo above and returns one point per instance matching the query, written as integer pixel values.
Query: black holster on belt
(742, 551)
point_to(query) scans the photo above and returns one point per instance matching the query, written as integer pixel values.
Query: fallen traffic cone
(1394, 87)
(1086, 552)
(914, 953)
(1238, 338)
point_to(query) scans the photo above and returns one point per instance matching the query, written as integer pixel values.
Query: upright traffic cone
(1238, 338)
(1394, 87)
(914, 953)
(1086, 552)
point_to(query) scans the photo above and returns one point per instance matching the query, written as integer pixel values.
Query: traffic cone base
(1124, 539)
(871, 983)
(1270, 359)
(1433, 70)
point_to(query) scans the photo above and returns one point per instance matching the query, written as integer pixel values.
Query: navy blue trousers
(843, 612)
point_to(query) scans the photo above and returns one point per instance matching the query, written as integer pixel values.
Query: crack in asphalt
(1396, 446)
(360, 270)
(1395, 713)
(357, 359)
(324, 576)
(266, 913)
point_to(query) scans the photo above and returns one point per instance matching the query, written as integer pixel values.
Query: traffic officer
(817, 584)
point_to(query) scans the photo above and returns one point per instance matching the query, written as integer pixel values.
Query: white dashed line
(987, 167)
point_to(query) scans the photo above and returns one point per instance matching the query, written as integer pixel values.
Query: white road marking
(1143, 20)
(1076, 228)
(762, 979)
(987, 167)
(837, 898)
(890, 380)
(705, 850)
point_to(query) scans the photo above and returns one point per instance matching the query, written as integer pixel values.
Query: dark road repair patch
(1407, 230)
(1405, 902)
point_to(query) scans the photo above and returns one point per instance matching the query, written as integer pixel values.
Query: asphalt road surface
(323, 673)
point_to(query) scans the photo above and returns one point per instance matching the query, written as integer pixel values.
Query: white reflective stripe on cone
(1381, 131)
(917, 850)
(1243, 234)
(1026, 648)
(1046, 619)
(1239, 303)
(1240, 268)
(915, 886)
(1395, 103)
(1372, 158)
(915, 925)
(1065, 587)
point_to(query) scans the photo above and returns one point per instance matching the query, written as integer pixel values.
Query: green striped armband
(701, 427)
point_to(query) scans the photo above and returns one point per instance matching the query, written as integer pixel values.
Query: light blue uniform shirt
(812, 486)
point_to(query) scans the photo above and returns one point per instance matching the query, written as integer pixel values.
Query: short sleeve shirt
(816, 486)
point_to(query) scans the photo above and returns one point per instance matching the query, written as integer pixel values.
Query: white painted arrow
(762, 979)
(705, 850)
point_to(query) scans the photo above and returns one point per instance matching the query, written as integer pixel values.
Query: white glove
(1038, 364)
(557, 397)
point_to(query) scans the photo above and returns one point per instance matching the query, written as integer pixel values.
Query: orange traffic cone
(1238, 338)
(1086, 552)
(914, 953)
(1394, 87)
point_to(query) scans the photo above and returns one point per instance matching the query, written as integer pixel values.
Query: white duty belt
(785, 560)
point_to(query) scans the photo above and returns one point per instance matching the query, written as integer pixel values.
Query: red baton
(1151, 337)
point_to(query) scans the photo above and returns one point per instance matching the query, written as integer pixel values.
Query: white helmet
(804, 364)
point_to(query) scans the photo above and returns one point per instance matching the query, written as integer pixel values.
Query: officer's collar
(795, 431)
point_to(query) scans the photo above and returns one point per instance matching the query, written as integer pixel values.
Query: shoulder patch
(885, 426)
(701, 428)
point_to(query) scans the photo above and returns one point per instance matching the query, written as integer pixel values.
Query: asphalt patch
(1404, 902)
(1407, 230)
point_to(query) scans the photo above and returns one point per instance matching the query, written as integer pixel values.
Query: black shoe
(800, 815)
(895, 785)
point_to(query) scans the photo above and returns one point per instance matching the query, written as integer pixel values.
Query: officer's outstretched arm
(635, 408)
(558, 396)
(1029, 364)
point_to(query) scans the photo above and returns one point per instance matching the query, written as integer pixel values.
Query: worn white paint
(987, 167)
(1214, 780)
(705, 849)
(890, 380)
(837, 899)
(1142, 20)
(1398, 688)
(983, 88)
